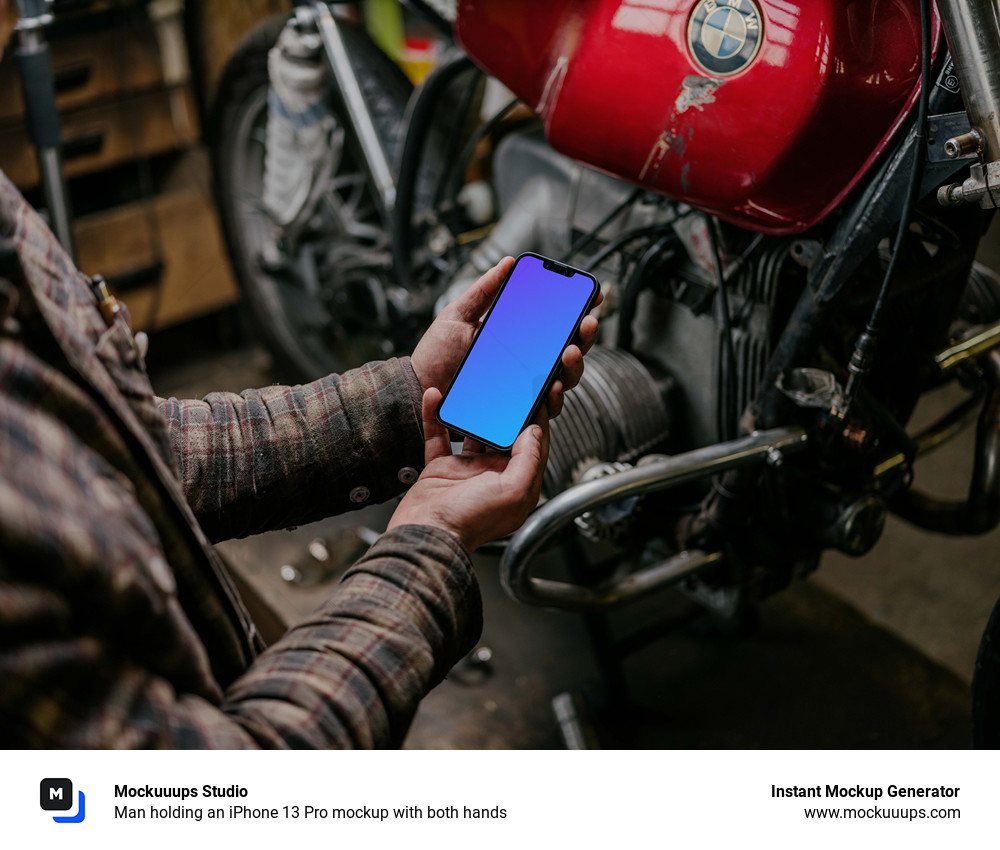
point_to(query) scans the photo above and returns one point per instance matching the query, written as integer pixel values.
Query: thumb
(524, 471)
(472, 303)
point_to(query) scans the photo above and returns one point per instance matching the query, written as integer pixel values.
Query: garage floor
(876, 652)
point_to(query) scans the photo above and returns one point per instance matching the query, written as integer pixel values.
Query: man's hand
(438, 354)
(477, 495)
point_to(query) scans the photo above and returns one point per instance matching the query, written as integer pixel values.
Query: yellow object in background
(415, 54)
(384, 22)
(418, 58)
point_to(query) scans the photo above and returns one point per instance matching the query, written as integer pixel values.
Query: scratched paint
(696, 93)
(552, 85)
(656, 154)
(668, 142)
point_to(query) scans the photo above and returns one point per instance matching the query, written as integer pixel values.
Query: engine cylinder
(616, 413)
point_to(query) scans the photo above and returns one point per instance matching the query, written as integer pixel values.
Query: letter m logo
(56, 795)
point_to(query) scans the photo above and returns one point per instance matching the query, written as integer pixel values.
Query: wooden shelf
(171, 243)
(137, 173)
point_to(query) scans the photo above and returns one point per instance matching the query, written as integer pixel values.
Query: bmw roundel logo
(725, 35)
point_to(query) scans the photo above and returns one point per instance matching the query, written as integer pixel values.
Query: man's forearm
(351, 675)
(402, 617)
(283, 456)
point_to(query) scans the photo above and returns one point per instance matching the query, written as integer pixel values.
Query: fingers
(436, 440)
(572, 367)
(587, 335)
(569, 377)
(524, 471)
(572, 363)
(542, 419)
(554, 403)
(472, 303)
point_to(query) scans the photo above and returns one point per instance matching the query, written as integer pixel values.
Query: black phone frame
(548, 264)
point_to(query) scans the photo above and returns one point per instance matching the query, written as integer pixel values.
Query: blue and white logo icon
(725, 35)
(56, 795)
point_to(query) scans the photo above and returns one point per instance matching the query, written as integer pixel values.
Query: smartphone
(508, 369)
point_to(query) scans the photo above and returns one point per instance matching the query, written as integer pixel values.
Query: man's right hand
(478, 495)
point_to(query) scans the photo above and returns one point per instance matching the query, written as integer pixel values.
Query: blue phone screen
(513, 355)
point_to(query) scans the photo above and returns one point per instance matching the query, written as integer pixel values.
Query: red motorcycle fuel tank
(765, 113)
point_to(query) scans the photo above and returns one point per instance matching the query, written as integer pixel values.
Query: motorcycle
(783, 202)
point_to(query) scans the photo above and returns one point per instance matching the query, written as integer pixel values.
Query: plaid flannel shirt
(118, 624)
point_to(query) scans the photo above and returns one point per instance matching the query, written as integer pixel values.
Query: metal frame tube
(972, 28)
(357, 111)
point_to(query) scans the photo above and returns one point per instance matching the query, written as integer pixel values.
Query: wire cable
(624, 239)
(728, 418)
(587, 238)
(864, 349)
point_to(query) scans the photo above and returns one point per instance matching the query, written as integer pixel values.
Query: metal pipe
(576, 731)
(357, 110)
(948, 426)
(638, 481)
(972, 28)
(980, 513)
(42, 116)
(577, 597)
(56, 197)
(981, 340)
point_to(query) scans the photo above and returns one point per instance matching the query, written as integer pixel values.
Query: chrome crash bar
(546, 521)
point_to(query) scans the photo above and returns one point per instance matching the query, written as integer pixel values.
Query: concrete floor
(873, 652)
(932, 591)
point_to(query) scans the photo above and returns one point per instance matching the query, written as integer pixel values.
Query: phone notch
(559, 268)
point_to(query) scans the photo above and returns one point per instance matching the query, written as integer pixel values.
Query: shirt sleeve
(351, 675)
(282, 456)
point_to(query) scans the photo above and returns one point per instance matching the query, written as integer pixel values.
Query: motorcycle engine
(661, 386)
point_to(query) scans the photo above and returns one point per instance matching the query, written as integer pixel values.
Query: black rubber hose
(456, 169)
(456, 137)
(418, 123)
(918, 164)
(630, 296)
